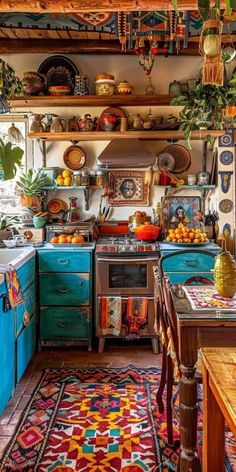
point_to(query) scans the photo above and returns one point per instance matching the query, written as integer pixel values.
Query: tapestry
(128, 188)
(13, 285)
(111, 315)
(95, 420)
(207, 298)
(184, 209)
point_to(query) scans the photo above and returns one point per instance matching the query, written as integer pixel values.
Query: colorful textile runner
(207, 298)
(136, 316)
(111, 315)
(13, 286)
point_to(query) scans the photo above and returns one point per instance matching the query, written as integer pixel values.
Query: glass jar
(85, 177)
(92, 177)
(73, 212)
(99, 178)
(77, 178)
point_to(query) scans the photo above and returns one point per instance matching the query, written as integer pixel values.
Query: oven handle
(125, 298)
(126, 259)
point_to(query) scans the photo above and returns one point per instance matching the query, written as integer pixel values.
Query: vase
(225, 274)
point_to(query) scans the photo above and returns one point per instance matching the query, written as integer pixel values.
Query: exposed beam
(77, 6)
(55, 46)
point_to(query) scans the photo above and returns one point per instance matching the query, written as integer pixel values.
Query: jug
(37, 126)
(58, 125)
(175, 89)
(33, 82)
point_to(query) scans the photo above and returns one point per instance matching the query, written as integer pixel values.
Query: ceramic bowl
(9, 243)
(40, 221)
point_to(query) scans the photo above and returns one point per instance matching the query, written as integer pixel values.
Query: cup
(192, 179)
(123, 124)
(40, 221)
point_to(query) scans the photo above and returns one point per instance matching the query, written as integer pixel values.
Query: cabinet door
(64, 289)
(64, 261)
(26, 274)
(25, 347)
(7, 355)
(27, 306)
(64, 323)
(189, 263)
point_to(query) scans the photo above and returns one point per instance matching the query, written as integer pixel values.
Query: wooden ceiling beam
(78, 6)
(55, 46)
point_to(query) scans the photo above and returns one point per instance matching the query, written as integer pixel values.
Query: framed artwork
(177, 209)
(128, 188)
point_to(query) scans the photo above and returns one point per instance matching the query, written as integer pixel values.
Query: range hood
(126, 153)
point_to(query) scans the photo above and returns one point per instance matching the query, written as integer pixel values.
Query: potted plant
(10, 159)
(203, 108)
(31, 186)
(7, 226)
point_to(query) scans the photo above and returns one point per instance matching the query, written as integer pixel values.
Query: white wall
(123, 67)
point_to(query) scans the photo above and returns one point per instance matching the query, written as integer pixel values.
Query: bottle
(85, 177)
(150, 88)
(92, 177)
(99, 178)
(208, 223)
(73, 212)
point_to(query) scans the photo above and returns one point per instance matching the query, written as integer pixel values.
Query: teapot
(37, 126)
(33, 82)
(87, 123)
(58, 125)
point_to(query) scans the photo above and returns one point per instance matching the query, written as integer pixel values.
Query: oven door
(125, 275)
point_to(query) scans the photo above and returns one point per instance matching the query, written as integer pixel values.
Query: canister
(92, 177)
(99, 178)
(77, 178)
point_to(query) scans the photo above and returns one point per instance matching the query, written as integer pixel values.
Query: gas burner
(125, 246)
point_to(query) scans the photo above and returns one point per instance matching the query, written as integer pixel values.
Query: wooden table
(196, 329)
(219, 404)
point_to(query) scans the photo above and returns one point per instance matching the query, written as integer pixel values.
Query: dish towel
(136, 316)
(12, 284)
(111, 315)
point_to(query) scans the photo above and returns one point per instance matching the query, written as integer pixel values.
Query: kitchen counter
(86, 246)
(178, 247)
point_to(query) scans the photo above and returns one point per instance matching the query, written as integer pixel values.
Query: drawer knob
(63, 290)
(191, 262)
(63, 261)
(63, 325)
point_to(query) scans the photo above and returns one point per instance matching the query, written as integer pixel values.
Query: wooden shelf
(106, 136)
(89, 101)
(186, 187)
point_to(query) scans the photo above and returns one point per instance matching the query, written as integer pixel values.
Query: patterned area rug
(93, 420)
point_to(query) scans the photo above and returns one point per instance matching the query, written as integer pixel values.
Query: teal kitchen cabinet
(181, 267)
(25, 318)
(65, 295)
(7, 350)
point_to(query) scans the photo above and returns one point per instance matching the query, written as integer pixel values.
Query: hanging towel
(111, 315)
(12, 284)
(136, 316)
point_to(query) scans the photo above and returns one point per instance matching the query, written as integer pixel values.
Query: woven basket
(5, 234)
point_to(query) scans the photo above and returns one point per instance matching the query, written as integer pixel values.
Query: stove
(126, 246)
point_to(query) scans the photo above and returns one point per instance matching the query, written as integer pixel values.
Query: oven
(126, 271)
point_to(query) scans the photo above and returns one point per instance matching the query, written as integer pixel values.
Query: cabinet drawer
(64, 289)
(25, 347)
(26, 274)
(64, 323)
(28, 305)
(182, 278)
(189, 263)
(64, 261)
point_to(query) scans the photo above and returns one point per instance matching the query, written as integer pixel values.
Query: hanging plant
(10, 84)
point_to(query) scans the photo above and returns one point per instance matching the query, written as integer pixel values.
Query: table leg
(213, 429)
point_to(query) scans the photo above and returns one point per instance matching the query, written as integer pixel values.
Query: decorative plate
(226, 158)
(181, 155)
(165, 161)
(56, 205)
(59, 70)
(226, 205)
(74, 157)
(186, 244)
(110, 111)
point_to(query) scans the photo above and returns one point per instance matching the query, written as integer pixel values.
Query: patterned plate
(74, 157)
(56, 205)
(59, 70)
(186, 244)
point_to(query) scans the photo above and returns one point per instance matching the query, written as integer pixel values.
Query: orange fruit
(54, 240)
(69, 238)
(77, 239)
(179, 240)
(191, 235)
(62, 240)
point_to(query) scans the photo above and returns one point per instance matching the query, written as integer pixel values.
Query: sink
(16, 257)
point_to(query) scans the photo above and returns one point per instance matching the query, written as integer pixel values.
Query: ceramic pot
(37, 126)
(87, 123)
(124, 88)
(58, 125)
(40, 221)
(33, 82)
(175, 89)
(147, 232)
(225, 274)
(109, 122)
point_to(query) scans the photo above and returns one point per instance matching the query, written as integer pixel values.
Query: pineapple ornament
(225, 274)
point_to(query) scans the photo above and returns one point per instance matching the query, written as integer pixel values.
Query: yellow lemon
(66, 173)
(67, 181)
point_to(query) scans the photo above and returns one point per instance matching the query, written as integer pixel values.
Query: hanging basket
(210, 39)
(213, 71)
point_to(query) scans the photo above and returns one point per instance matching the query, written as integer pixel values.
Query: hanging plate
(181, 155)
(56, 205)
(165, 162)
(59, 70)
(74, 157)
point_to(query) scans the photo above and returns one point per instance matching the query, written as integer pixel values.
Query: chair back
(181, 257)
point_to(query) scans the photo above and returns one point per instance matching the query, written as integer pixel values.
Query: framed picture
(181, 209)
(128, 188)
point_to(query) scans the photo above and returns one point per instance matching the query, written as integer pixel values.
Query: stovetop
(125, 245)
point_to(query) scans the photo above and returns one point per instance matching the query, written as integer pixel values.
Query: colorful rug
(93, 420)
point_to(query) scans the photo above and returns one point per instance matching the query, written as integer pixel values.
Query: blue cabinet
(183, 266)
(7, 351)
(65, 296)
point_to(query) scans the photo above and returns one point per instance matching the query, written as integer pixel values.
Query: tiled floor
(114, 356)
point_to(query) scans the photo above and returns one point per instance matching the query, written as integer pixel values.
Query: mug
(192, 179)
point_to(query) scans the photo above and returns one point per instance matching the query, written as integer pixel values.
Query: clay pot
(225, 274)
(33, 82)
(124, 88)
(147, 232)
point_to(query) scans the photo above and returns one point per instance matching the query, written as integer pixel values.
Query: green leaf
(10, 159)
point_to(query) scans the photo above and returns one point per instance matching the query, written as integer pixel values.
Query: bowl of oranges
(184, 235)
(67, 239)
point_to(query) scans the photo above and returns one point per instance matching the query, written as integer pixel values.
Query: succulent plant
(32, 182)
